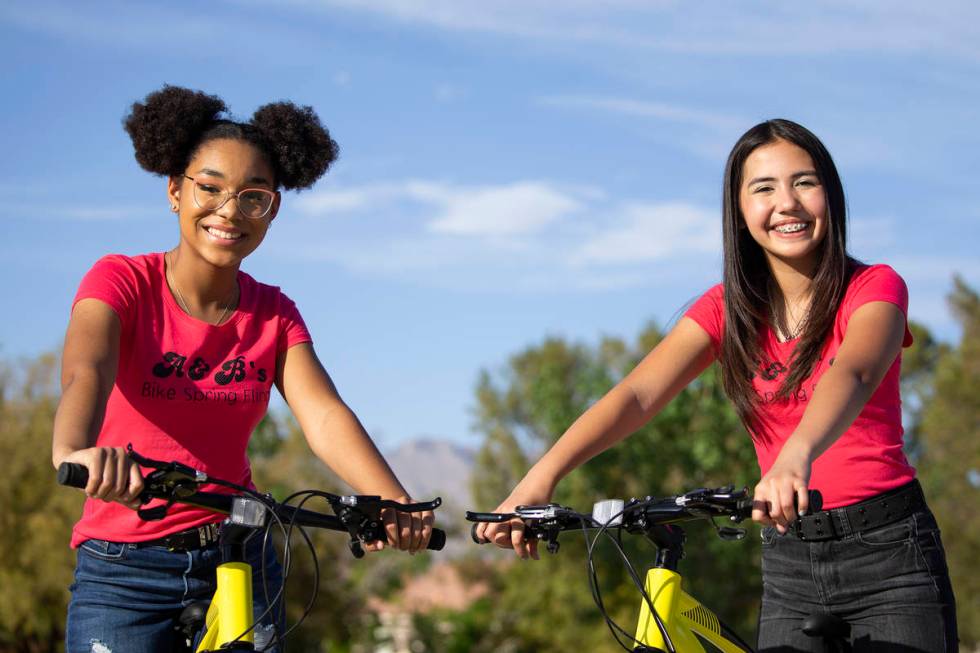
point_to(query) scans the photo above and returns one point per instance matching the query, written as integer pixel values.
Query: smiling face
(222, 237)
(783, 204)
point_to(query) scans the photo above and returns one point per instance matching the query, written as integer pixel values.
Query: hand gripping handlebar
(174, 482)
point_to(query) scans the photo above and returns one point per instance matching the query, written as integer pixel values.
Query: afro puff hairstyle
(171, 124)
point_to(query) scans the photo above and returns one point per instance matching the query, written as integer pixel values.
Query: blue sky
(509, 170)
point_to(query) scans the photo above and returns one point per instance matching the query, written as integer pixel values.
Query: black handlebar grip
(437, 540)
(73, 475)
(816, 500)
(474, 537)
(815, 497)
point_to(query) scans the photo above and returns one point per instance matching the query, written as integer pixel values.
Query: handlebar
(654, 518)
(358, 515)
(637, 516)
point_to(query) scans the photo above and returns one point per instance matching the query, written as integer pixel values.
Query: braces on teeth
(791, 228)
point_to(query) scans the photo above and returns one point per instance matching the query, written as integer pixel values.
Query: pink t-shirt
(867, 459)
(185, 390)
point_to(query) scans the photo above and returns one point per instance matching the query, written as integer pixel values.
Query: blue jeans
(125, 598)
(891, 584)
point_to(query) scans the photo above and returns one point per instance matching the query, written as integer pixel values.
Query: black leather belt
(190, 540)
(877, 511)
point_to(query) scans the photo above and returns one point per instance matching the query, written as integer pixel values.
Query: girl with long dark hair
(809, 342)
(177, 352)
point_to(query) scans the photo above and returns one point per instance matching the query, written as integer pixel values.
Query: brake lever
(418, 506)
(541, 513)
(551, 538)
(167, 485)
(548, 531)
(727, 533)
(373, 504)
(717, 500)
(168, 480)
(361, 516)
(173, 467)
(356, 521)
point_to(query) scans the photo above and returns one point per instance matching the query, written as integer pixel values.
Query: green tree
(36, 564)
(949, 433)
(918, 374)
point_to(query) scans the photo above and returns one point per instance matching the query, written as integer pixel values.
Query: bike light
(247, 512)
(608, 512)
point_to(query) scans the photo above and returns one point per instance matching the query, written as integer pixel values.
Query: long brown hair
(751, 295)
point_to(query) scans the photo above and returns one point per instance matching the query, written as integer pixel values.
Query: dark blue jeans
(891, 584)
(125, 598)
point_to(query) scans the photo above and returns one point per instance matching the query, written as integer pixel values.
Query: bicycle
(669, 619)
(227, 621)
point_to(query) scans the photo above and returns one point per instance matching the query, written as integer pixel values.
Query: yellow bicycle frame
(681, 614)
(230, 612)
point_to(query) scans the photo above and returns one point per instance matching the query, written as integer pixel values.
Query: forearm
(872, 343)
(683, 354)
(837, 400)
(80, 413)
(338, 439)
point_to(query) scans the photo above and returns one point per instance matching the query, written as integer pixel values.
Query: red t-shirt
(867, 459)
(185, 390)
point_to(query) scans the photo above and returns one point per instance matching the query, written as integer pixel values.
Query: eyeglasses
(253, 203)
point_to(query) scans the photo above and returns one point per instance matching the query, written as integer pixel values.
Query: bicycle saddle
(192, 617)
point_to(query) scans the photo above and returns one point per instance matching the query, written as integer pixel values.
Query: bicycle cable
(286, 531)
(265, 500)
(279, 599)
(634, 576)
(306, 495)
(597, 596)
(278, 639)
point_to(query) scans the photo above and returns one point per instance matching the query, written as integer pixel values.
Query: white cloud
(648, 232)
(515, 209)
(343, 200)
(446, 92)
(91, 213)
(646, 109)
(834, 27)
(431, 191)
(521, 208)
(527, 234)
(709, 28)
(136, 25)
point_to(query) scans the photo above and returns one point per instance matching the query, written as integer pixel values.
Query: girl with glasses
(177, 352)
(809, 343)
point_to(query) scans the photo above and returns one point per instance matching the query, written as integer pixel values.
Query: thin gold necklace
(180, 298)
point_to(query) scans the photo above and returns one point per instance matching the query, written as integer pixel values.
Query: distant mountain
(429, 467)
